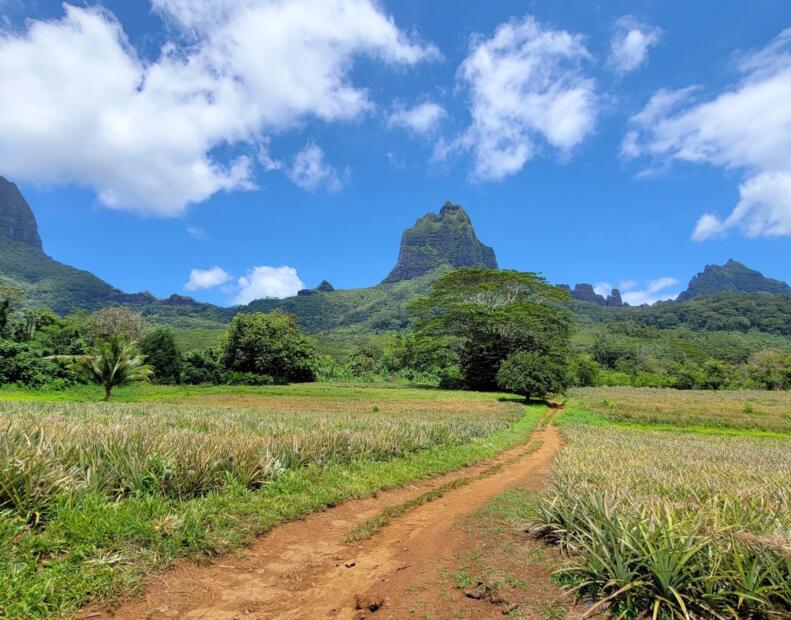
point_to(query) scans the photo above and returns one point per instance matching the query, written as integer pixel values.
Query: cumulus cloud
(526, 87)
(654, 291)
(747, 128)
(262, 282)
(423, 118)
(630, 43)
(206, 278)
(309, 170)
(80, 105)
(659, 289)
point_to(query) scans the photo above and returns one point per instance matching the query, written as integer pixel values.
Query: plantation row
(51, 452)
(672, 524)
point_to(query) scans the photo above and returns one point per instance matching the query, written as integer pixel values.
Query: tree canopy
(494, 314)
(269, 345)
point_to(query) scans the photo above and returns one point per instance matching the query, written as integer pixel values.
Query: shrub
(21, 365)
(533, 375)
(159, 347)
(268, 344)
(584, 372)
(770, 369)
(202, 366)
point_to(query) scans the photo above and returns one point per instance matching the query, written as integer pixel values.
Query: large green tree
(268, 345)
(494, 314)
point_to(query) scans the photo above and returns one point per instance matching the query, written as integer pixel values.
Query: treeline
(628, 353)
(734, 311)
(476, 329)
(114, 346)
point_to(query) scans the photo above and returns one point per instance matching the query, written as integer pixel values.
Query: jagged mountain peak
(17, 222)
(732, 276)
(447, 238)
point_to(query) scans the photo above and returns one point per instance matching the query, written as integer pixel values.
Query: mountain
(45, 281)
(732, 277)
(447, 239)
(585, 292)
(17, 222)
(730, 297)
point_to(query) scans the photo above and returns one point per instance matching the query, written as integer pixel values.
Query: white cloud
(309, 170)
(526, 86)
(627, 285)
(630, 43)
(421, 119)
(655, 290)
(746, 128)
(80, 105)
(206, 278)
(262, 282)
(196, 232)
(602, 288)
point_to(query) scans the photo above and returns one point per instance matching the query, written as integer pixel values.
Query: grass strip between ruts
(369, 527)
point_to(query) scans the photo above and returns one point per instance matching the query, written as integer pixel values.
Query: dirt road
(306, 570)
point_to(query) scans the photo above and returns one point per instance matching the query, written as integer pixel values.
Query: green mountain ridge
(732, 277)
(435, 245)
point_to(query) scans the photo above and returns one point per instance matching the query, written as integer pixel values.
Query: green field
(675, 504)
(94, 495)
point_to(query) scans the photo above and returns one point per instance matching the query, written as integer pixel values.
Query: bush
(533, 375)
(159, 347)
(584, 372)
(268, 344)
(770, 369)
(202, 366)
(21, 365)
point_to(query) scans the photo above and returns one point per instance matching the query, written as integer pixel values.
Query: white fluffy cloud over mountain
(262, 282)
(745, 128)
(658, 289)
(80, 104)
(527, 88)
(258, 283)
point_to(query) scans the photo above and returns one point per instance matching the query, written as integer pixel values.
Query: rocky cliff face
(17, 222)
(585, 292)
(323, 287)
(732, 276)
(436, 240)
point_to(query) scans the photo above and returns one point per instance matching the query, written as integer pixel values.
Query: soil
(306, 569)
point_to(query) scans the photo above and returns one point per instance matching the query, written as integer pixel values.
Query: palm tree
(114, 362)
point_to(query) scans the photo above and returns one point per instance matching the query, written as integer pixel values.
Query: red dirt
(305, 569)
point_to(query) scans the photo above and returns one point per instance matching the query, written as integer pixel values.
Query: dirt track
(305, 569)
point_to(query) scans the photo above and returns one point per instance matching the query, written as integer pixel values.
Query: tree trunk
(107, 391)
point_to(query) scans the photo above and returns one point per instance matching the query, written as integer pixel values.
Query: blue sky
(267, 145)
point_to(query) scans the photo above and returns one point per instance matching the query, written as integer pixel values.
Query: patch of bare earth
(306, 569)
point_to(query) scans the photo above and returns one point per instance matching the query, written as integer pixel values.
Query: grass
(674, 524)
(742, 410)
(515, 569)
(94, 496)
(369, 527)
(336, 391)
